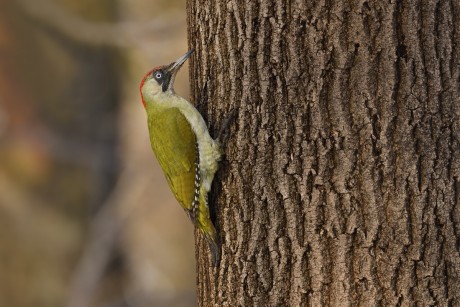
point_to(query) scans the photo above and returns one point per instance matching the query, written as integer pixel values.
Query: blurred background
(86, 218)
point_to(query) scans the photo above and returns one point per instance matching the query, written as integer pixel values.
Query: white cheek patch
(152, 88)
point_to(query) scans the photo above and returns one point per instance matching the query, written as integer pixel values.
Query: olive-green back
(174, 144)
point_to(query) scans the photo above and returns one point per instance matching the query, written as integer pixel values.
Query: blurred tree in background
(85, 214)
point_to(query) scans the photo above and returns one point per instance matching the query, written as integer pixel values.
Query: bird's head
(161, 79)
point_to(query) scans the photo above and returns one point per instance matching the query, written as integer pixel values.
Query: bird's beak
(174, 67)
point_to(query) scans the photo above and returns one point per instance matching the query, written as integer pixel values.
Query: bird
(180, 139)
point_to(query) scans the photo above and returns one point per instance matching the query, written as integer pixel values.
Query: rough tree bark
(341, 186)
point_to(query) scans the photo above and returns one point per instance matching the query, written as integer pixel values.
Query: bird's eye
(158, 75)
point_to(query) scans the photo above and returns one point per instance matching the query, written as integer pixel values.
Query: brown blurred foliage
(86, 218)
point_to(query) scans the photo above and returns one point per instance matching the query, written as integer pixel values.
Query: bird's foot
(222, 136)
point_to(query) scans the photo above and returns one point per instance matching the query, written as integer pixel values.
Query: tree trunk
(341, 180)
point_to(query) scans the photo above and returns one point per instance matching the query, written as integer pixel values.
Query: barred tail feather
(206, 227)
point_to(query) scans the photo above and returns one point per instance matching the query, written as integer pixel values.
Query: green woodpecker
(183, 147)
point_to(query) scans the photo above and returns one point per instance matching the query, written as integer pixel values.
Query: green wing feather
(174, 144)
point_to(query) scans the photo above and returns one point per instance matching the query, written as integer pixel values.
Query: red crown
(143, 81)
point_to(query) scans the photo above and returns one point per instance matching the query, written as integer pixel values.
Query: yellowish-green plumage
(185, 151)
(174, 145)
